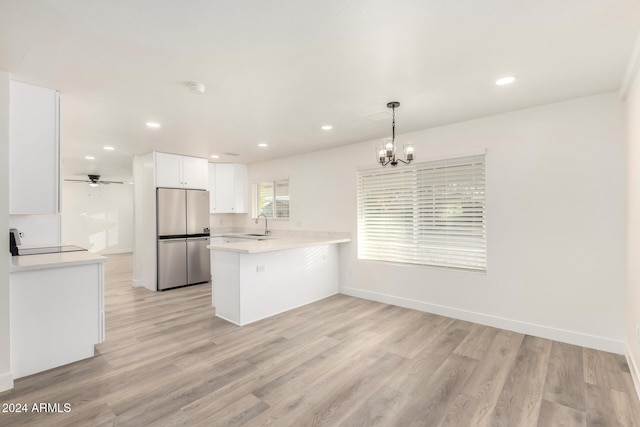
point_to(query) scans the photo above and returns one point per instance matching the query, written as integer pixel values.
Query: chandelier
(387, 151)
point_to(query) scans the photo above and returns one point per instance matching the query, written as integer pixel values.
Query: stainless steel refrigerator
(183, 236)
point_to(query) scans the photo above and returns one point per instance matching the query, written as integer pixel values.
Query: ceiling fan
(94, 181)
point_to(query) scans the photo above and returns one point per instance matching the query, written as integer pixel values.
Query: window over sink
(271, 198)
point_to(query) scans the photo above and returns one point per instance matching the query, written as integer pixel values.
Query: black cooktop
(50, 250)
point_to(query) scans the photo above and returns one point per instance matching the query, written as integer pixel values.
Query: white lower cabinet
(57, 316)
(248, 287)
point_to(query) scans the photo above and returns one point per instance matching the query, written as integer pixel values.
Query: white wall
(144, 250)
(226, 222)
(98, 218)
(555, 191)
(632, 297)
(37, 230)
(6, 379)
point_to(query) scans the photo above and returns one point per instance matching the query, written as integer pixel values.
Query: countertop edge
(274, 245)
(49, 261)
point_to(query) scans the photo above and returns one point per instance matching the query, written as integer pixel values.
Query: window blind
(429, 213)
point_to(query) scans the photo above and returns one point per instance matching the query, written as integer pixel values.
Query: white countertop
(57, 260)
(276, 244)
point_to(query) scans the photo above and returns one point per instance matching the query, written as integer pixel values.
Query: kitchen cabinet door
(57, 316)
(212, 187)
(230, 188)
(195, 173)
(225, 188)
(34, 150)
(169, 170)
(240, 188)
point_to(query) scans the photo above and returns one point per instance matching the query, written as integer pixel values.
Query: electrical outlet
(260, 269)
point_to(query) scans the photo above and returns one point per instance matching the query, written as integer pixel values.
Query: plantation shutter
(263, 197)
(271, 198)
(282, 198)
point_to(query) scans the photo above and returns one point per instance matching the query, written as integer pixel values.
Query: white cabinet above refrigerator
(175, 171)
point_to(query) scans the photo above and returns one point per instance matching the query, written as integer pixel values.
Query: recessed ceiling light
(89, 157)
(108, 148)
(505, 80)
(153, 124)
(215, 156)
(326, 127)
(263, 145)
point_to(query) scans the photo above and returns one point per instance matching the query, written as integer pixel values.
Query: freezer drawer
(172, 263)
(198, 261)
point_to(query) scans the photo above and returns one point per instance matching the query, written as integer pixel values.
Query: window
(271, 198)
(430, 213)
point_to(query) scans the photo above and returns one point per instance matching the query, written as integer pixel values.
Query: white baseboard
(6, 381)
(563, 335)
(634, 368)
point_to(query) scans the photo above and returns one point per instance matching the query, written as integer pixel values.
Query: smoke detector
(197, 88)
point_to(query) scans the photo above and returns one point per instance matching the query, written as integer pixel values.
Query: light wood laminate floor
(343, 361)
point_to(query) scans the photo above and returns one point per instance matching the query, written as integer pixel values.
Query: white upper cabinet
(240, 182)
(230, 188)
(195, 172)
(169, 170)
(34, 150)
(212, 187)
(175, 171)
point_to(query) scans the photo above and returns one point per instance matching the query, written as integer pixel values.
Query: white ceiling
(277, 70)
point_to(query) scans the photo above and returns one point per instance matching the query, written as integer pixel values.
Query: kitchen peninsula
(57, 309)
(253, 279)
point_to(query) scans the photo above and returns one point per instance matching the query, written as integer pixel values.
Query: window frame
(255, 209)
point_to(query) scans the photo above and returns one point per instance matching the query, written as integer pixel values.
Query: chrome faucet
(266, 224)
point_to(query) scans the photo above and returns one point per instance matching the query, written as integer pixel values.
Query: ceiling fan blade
(110, 182)
(77, 180)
